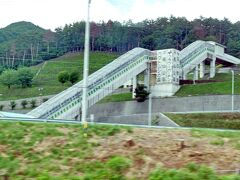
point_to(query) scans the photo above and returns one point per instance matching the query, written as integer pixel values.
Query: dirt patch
(48, 143)
(172, 149)
(3, 148)
(64, 130)
(27, 138)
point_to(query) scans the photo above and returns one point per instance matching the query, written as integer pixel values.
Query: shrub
(33, 103)
(156, 121)
(44, 100)
(217, 142)
(191, 172)
(141, 93)
(118, 163)
(24, 103)
(63, 77)
(1, 107)
(73, 77)
(13, 104)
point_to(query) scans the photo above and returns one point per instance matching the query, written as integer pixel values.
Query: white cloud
(55, 13)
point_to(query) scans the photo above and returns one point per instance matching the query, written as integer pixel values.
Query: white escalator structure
(103, 82)
(194, 54)
(198, 51)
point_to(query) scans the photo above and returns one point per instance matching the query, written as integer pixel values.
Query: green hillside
(223, 86)
(20, 35)
(26, 43)
(48, 72)
(207, 120)
(16, 30)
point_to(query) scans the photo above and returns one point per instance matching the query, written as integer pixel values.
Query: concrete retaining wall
(39, 101)
(176, 104)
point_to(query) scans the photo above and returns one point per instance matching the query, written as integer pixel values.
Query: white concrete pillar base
(134, 85)
(202, 69)
(195, 73)
(213, 67)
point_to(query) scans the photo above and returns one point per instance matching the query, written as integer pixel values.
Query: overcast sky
(50, 14)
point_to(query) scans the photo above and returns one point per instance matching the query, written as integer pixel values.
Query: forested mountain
(25, 43)
(173, 32)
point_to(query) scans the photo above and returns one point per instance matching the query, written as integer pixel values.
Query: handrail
(195, 51)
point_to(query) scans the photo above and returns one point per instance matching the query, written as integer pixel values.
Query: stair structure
(163, 69)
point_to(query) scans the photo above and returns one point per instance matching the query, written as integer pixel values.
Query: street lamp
(150, 95)
(232, 90)
(86, 66)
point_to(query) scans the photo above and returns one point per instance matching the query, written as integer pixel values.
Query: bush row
(24, 103)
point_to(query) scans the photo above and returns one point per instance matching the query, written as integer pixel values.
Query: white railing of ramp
(228, 58)
(190, 54)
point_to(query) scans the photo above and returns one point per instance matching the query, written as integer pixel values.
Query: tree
(25, 77)
(9, 78)
(63, 77)
(73, 77)
(48, 37)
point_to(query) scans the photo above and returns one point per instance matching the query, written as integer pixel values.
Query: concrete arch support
(213, 67)
(196, 73)
(202, 69)
(134, 85)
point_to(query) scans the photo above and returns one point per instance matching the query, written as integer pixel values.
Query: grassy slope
(224, 87)
(57, 151)
(117, 98)
(208, 120)
(47, 79)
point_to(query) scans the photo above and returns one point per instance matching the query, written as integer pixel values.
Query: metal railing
(189, 54)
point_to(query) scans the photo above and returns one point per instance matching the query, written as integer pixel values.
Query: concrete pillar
(196, 73)
(213, 67)
(134, 85)
(202, 69)
(146, 78)
(184, 77)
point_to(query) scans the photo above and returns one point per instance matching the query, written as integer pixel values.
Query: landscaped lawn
(207, 120)
(117, 98)
(224, 87)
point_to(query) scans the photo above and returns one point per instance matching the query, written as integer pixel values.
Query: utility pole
(85, 70)
(232, 90)
(150, 96)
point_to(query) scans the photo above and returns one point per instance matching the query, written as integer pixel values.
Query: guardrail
(61, 121)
